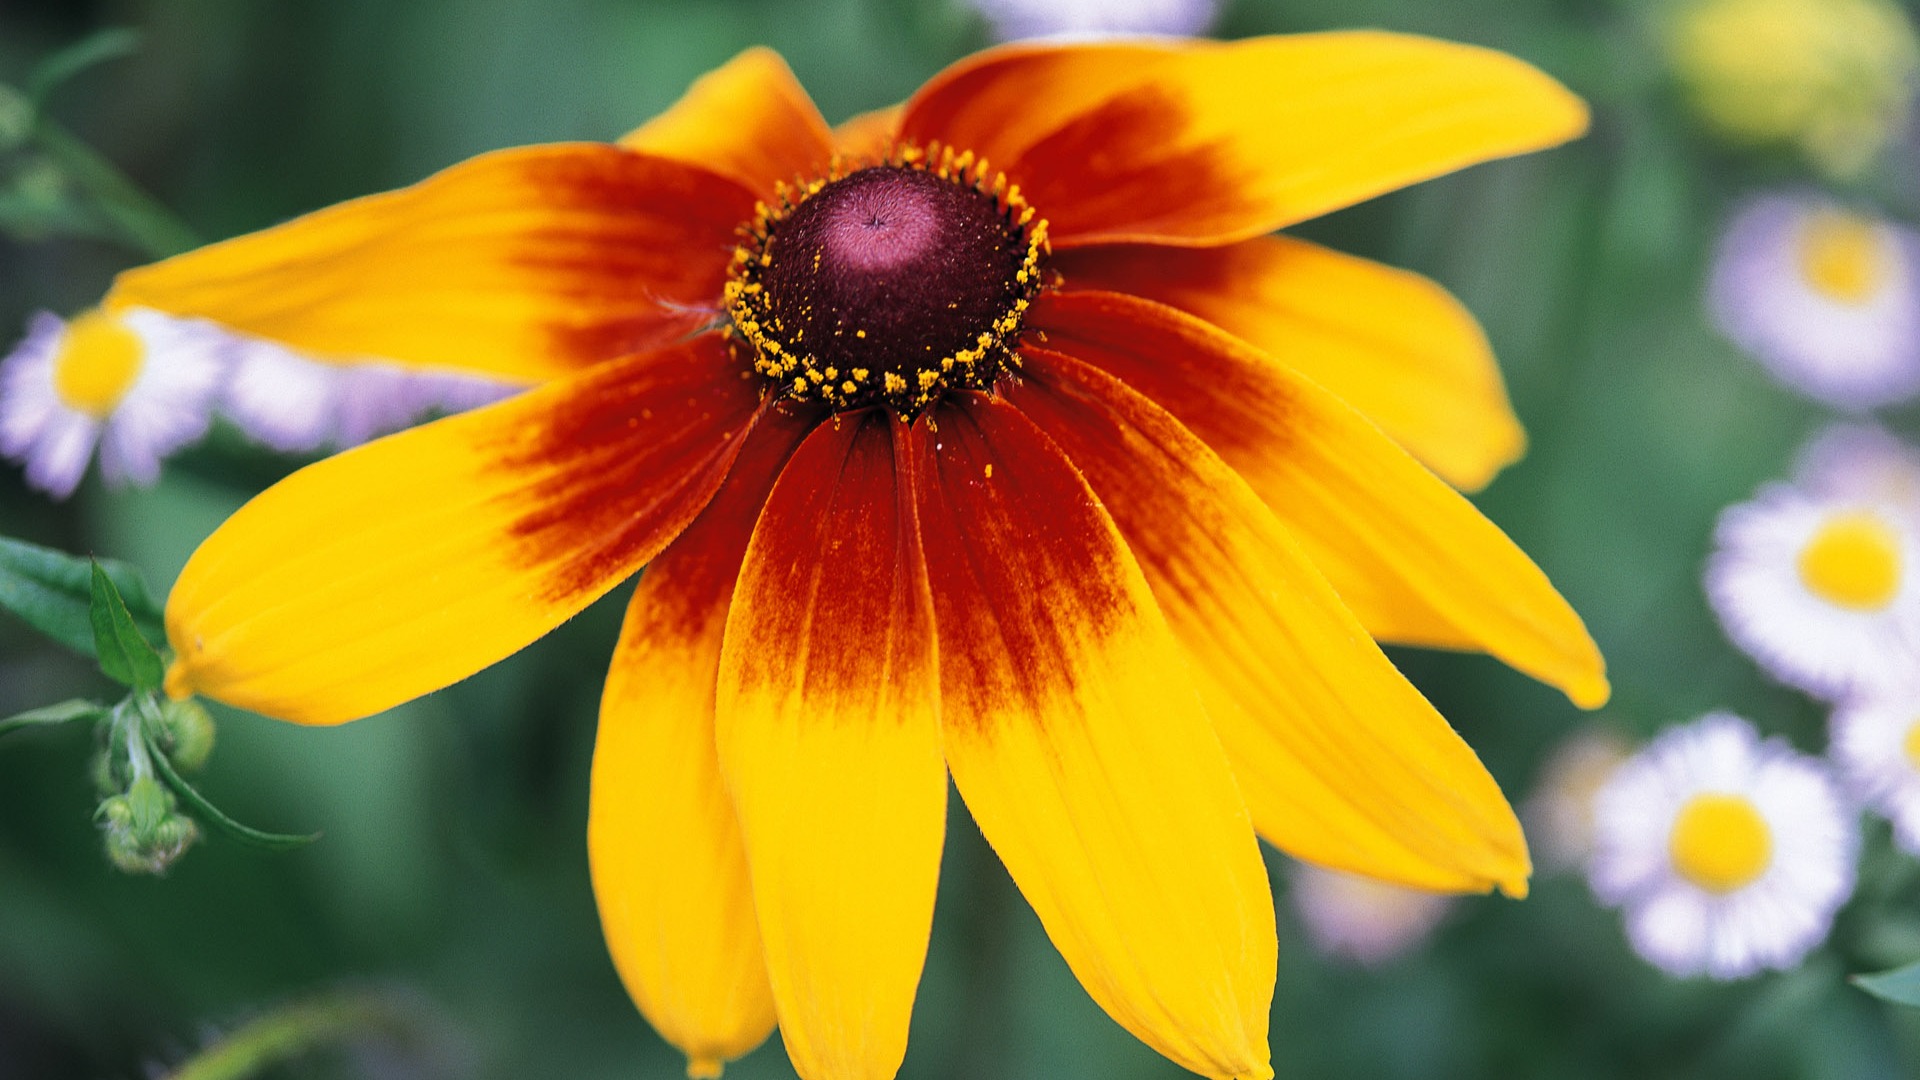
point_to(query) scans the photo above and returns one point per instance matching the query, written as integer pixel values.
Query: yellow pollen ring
(1720, 842)
(1912, 744)
(97, 361)
(1843, 257)
(798, 372)
(1853, 561)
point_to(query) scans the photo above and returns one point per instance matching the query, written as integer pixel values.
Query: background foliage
(453, 866)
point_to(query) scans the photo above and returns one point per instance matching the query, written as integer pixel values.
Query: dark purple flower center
(889, 284)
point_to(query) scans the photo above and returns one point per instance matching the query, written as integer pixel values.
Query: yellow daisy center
(97, 362)
(1843, 256)
(1853, 561)
(1720, 842)
(1912, 745)
(889, 283)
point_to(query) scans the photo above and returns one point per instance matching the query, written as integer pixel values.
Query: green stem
(288, 1033)
(146, 223)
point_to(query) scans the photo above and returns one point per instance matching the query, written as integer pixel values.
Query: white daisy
(1827, 298)
(1729, 855)
(1361, 920)
(293, 403)
(1559, 813)
(1875, 744)
(1015, 19)
(1863, 462)
(281, 399)
(1821, 590)
(135, 384)
(376, 399)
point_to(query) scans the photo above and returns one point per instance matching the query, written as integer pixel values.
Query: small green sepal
(1900, 986)
(124, 654)
(64, 713)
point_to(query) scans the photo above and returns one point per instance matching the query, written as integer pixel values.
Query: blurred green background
(453, 866)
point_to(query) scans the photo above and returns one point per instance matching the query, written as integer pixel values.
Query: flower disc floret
(890, 283)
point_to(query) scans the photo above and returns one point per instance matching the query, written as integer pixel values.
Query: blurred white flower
(138, 385)
(291, 403)
(1559, 814)
(1015, 19)
(1832, 79)
(1826, 298)
(1729, 855)
(1863, 462)
(1820, 590)
(279, 398)
(134, 384)
(376, 399)
(1361, 920)
(1875, 745)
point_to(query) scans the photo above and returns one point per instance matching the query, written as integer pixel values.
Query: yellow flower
(1829, 78)
(1034, 474)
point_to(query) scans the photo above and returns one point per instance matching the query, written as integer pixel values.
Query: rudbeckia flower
(135, 385)
(1729, 854)
(989, 437)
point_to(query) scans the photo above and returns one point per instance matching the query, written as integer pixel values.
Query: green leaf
(1900, 986)
(198, 803)
(124, 655)
(53, 592)
(65, 712)
(90, 51)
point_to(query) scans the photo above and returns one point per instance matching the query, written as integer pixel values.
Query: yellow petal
(829, 738)
(406, 564)
(526, 263)
(1341, 760)
(869, 135)
(1402, 549)
(669, 872)
(1426, 375)
(1076, 738)
(748, 119)
(1208, 143)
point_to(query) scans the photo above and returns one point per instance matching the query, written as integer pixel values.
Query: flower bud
(186, 733)
(142, 830)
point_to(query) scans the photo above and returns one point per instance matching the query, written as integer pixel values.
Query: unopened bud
(142, 831)
(186, 733)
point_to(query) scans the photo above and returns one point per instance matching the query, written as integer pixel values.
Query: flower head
(135, 385)
(1015, 19)
(1860, 462)
(1559, 813)
(1832, 79)
(957, 445)
(1730, 855)
(1359, 919)
(1820, 589)
(295, 403)
(1826, 298)
(1876, 749)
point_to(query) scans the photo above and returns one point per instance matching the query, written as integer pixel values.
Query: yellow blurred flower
(1829, 78)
